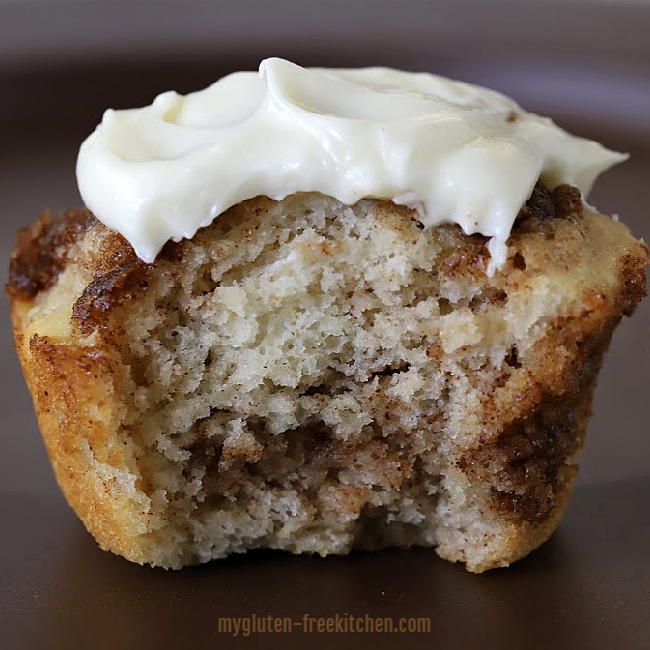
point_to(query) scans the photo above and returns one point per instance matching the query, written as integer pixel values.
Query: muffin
(318, 375)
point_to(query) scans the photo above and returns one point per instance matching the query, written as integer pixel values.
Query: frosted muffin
(358, 361)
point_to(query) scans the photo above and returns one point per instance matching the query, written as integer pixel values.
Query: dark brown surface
(40, 253)
(589, 587)
(62, 63)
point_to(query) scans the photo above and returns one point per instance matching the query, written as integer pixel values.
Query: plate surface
(62, 63)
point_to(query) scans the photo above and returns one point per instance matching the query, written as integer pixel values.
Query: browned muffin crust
(41, 251)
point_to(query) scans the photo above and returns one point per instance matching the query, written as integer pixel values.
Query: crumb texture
(314, 377)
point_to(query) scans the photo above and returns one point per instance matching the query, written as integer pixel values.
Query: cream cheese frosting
(455, 152)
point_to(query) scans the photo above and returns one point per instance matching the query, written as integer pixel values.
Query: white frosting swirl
(456, 152)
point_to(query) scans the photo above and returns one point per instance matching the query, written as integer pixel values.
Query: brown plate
(62, 63)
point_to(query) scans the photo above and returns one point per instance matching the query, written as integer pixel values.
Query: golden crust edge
(56, 376)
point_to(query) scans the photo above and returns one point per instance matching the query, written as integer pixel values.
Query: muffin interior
(316, 377)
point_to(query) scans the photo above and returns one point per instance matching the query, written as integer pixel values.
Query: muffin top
(455, 152)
